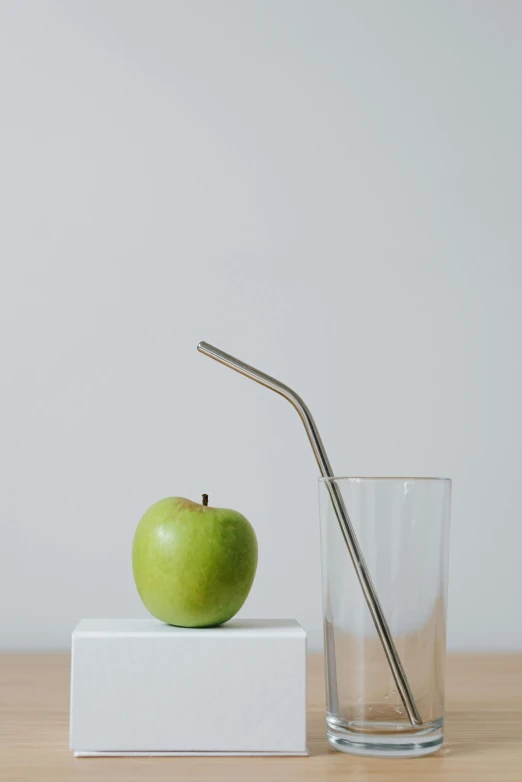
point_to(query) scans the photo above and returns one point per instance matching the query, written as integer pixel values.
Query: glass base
(384, 740)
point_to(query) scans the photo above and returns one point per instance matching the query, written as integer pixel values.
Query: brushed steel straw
(350, 538)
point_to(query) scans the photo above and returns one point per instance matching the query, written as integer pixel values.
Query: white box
(139, 686)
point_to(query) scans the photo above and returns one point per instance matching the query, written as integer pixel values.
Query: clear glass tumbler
(402, 525)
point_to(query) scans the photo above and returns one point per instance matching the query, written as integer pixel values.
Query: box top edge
(153, 627)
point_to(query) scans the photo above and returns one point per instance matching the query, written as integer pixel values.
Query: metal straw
(367, 586)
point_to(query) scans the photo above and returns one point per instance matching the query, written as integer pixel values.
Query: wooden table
(483, 732)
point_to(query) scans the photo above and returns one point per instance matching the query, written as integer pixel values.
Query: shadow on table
(470, 733)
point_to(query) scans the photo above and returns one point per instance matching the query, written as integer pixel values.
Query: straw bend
(279, 388)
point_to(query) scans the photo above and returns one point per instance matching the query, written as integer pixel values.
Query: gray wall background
(329, 190)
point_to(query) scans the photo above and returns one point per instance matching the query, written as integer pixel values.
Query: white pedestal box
(142, 687)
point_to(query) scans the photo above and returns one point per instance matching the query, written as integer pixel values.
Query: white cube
(142, 687)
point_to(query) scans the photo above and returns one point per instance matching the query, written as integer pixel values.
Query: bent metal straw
(361, 569)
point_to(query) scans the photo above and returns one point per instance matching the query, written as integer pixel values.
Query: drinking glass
(402, 525)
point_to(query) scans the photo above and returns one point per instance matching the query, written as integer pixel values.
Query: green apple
(193, 565)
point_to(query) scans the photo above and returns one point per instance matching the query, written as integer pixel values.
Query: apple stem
(205, 500)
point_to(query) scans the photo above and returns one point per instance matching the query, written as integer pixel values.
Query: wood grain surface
(483, 732)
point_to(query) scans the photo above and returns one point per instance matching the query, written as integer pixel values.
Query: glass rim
(369, 478)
